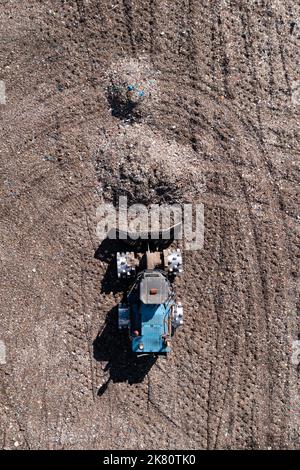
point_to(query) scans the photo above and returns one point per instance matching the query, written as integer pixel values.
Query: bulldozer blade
(152, 239)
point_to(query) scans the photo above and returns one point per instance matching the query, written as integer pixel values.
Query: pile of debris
(132, 88)
(142, 165)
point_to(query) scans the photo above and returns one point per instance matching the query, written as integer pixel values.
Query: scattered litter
(48, 158)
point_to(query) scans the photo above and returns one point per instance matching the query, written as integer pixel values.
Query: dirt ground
(227, 102)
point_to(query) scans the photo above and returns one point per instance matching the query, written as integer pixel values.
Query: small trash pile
(132, 86)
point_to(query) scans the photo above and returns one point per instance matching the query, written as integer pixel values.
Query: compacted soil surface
(218, 125)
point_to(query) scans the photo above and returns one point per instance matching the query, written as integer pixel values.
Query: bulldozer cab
(154, 288)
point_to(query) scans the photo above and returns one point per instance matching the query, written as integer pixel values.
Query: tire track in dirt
(225, 76)
(210, 442)
(276, 209)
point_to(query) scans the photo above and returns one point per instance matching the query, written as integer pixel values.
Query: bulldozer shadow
(106, 252)
(113, 347)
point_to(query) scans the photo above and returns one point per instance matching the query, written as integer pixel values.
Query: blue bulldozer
(149, 309)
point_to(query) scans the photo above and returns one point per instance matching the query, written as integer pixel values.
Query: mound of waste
(140, 164)
(132, 88)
